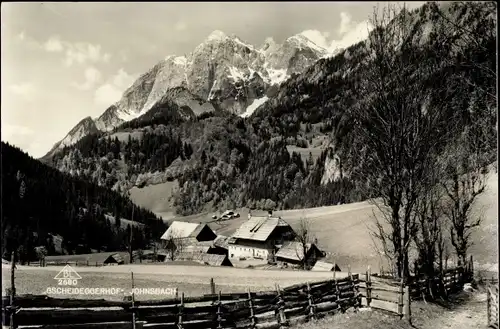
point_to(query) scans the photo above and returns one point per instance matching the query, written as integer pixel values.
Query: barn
(181, 234)
(292, 252)
(325, 267)
(99, 259)
(206, 259)
(259, 238)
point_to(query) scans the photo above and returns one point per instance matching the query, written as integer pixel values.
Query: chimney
(249, 213)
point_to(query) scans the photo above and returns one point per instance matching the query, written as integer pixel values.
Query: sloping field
(344, 230)
(157, 198)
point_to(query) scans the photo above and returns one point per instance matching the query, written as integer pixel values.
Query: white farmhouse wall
(237, 251)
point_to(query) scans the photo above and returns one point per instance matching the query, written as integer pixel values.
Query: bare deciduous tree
(175, 244)
(399, 127)
(304, 237)
(466, 168)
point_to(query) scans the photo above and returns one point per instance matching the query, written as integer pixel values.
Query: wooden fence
(451, 281)
(264, 309)
(492, 305)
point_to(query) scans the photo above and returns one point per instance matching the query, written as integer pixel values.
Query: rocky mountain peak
(223, 71)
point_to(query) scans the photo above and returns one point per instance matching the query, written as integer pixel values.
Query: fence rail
(263, 309)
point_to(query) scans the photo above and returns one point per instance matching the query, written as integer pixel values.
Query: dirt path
(468, 315)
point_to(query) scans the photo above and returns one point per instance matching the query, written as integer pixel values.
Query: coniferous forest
(39, 201)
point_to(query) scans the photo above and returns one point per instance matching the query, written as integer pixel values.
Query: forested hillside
(220, 160)
(39, 201)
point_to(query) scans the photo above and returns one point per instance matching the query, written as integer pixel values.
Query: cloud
(26, 90)
(84, 52)
(180, 26)
(54, 44)
(10, 130)
(319, 38)
(348, 32)
(112, 91)
(92, 77)
(345, 23)
(77, 52)
(21, 36)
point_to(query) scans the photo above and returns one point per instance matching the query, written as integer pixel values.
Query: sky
(62, 62)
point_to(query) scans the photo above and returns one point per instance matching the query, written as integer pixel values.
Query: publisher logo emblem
(67, 277)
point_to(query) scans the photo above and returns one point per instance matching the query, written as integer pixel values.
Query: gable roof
(258, 228)
(221, 241)
(293, 250)
(181, 230)
(91, 258)
(210, 259)
(324, 266)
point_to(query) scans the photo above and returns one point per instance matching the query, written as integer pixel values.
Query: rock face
(223, 71)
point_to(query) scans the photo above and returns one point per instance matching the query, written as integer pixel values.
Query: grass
(192, 280)
(462, 311)
(344, 230)
(157, 198)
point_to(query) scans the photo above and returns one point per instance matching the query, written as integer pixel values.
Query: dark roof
(222, 241)
(210, 259)
(91, 258)
(258, 228)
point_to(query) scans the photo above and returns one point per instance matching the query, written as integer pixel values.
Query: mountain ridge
(223, 70)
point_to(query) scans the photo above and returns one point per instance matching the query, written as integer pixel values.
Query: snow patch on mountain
(180, 60)
(217, 36)
(235, 74)
(211, 93)
(276, 77)
(252, 107)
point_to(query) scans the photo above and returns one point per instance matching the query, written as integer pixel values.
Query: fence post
(337, 293)
(488, 306)
(401, 299)
(12, 307)
(219, 311)
(250, 305)
(282, 321)
(311, 302)
(368, 287)
(181, 309)
(355, 288)
(407, 304)
(212, 286)
(133, 300)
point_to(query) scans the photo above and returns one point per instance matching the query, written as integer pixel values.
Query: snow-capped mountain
(223, 70)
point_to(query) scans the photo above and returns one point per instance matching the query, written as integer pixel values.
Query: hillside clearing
(344, 230)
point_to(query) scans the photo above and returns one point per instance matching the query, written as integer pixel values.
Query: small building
(325, 267)
(205, 247)
(99, 259)
(182, 234)
(206, 259)
(259, 238)
(292, 252)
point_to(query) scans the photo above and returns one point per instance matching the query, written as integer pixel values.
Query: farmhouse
(325, 266)
(182, 234)
(260, 237)
(292, 252)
